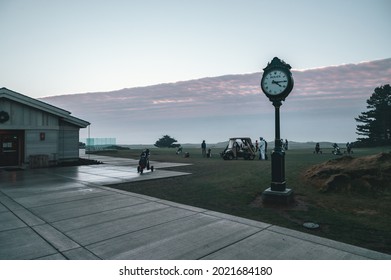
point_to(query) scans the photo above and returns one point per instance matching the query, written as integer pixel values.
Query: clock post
(278, 156)
(277, 83)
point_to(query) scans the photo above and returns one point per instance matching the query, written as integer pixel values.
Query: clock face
(274, 82)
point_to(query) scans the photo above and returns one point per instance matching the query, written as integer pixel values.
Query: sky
(51, 47)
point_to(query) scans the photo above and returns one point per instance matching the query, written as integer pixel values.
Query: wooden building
(31, 128)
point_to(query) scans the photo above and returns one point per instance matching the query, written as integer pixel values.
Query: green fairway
(234, 187)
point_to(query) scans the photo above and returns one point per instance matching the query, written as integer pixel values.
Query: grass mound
(364, 175)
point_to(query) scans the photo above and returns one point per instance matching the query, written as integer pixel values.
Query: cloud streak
(318, 94)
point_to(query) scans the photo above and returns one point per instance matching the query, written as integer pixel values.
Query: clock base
(277, 197)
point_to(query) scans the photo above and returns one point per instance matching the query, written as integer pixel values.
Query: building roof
(40, 105)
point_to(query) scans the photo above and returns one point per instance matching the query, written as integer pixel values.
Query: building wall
(60, 139)
(34, 145)
(68, 141)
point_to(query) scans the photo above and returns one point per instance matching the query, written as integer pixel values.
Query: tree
(376, 122)
(166, 142)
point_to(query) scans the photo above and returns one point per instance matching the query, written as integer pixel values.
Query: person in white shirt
(262, 148)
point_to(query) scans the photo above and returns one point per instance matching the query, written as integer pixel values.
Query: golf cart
(239, 147)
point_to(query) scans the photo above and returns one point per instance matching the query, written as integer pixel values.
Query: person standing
(264, 140)
(203, 148)
(349, 148)
(261, 149)
(317, 148)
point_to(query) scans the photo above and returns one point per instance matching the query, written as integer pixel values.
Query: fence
(98, 144)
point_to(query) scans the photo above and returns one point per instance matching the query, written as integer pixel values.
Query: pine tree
(376, 122)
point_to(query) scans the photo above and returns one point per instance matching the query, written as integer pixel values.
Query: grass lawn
(234, 187)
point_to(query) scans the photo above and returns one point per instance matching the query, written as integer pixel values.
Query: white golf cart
(239, 147)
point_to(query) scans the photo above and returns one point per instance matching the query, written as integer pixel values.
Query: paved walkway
(68, 213)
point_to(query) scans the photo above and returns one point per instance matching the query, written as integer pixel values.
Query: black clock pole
(278, 155)
(277, 192)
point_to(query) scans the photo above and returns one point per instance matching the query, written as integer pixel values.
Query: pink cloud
(322, 92)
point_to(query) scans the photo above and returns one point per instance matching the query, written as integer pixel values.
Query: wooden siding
(35, 146)
(25, 117)
(68, 141)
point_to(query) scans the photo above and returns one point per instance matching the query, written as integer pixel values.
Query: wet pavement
(69, 213)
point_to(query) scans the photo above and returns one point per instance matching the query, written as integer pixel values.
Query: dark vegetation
(166, 142)
(376, 122)
(78, 162)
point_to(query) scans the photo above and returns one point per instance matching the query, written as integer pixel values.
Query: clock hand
(277, 83)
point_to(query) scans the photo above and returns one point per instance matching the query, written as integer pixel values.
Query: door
(11, 148)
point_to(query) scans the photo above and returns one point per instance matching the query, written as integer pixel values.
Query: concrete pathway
(68, 213)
